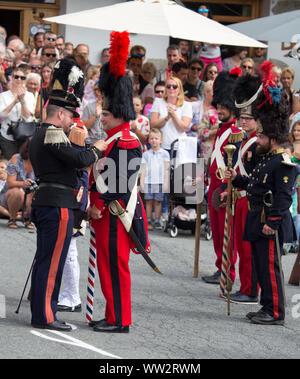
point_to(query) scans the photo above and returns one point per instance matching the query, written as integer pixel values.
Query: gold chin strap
(220, 174)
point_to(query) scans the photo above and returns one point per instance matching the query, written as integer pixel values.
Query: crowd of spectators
(176, 99)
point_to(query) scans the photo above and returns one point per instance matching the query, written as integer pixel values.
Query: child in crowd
(154, 177)
(3, 188)
(141, 125)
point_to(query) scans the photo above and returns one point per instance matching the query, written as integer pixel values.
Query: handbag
(21, 130)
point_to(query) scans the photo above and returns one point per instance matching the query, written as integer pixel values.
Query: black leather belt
(55, 185)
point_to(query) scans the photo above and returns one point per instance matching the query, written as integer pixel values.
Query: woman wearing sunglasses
(171, 114)
(15, 104)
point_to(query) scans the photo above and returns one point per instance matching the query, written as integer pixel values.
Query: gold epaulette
(236, 137)
(55, 135)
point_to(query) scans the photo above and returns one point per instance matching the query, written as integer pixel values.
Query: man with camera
(55, 163)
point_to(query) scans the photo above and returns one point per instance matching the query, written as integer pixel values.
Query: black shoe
(240, 298)
(56, 325)
(65, 308)
(108, 328)
(99, 322)
(250, 315)
(213, 279)
(264, 318)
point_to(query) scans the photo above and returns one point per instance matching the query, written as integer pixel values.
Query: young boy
(141, 125)
(154, 177)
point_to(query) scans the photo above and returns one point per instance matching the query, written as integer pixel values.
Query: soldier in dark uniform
(269, 189)
(55, 161)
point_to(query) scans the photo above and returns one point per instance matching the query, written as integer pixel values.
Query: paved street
(174, 316)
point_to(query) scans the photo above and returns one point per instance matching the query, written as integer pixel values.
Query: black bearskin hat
(67, 85)
(271, 108)
(223, 89)
(245, 92)
(114, 83)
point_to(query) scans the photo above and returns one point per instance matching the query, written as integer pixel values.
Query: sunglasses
(246, 118)
(212, 72)
(19, 77)
(51, 39)
(174, 86)
(250, 67)
(138, 55)
(34, 67)
(48, 55)
(203, 10)
(196, 68)
(159, 91)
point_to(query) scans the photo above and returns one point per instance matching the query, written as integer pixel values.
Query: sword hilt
(116, 209)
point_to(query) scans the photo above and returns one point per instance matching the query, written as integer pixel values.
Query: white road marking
(72, 341)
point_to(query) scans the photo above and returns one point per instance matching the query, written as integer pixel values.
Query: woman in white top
(15, 104)
(171, 114)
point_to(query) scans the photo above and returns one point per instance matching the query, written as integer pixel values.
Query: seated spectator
(3, 188)
(180, 70)
(141, 87)
(141, 125)
(211, 71)
(236, 54)
(171, 114)
(149, 72)
(91, 116)
(159, 90)
(20, 177)
(15, 104)
(247, 66)
(193, 87)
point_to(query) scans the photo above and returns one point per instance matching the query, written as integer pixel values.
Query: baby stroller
(182, 205)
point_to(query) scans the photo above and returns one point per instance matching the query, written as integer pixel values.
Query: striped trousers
(54, 231)
(268, 274)
(113, 249)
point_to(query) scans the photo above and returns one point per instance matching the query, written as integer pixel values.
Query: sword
(116, 209)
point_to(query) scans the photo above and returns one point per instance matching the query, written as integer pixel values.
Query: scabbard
(141, 250)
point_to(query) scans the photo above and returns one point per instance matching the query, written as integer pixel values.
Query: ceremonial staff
(225, 281)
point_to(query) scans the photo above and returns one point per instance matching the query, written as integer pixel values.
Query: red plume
(119, 45)
(236, 71)
(267, 77)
